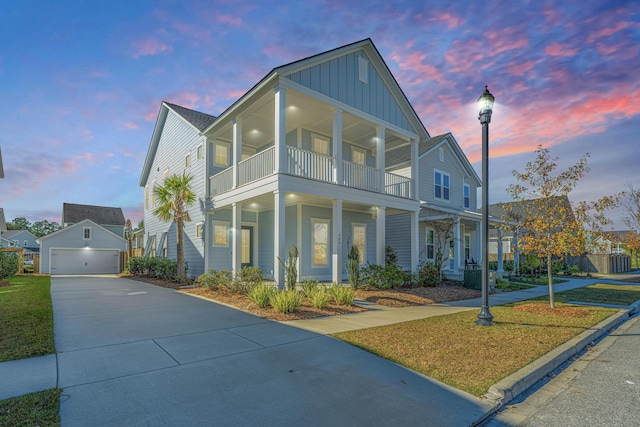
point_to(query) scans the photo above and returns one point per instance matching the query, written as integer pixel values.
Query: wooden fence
(609, 264)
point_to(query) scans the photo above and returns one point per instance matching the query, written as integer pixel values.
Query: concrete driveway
(130, 353)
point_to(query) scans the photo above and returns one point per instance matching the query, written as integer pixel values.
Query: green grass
(601, 293)
(26, 318)
(35, 409)
(510, 286)
(446, 347)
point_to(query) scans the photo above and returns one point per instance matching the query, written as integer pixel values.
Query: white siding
(177, 140)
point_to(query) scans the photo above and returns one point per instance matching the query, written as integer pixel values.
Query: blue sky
(81, 82)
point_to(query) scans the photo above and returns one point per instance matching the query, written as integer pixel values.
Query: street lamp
(485, 104)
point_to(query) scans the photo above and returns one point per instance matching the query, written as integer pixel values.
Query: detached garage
(81, 248)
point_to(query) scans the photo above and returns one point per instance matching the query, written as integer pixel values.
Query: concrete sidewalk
(132, 346)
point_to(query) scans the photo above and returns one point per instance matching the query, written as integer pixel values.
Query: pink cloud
(185, 99)
(131, 125)
(193, 31)
(148, 47)
(233, 20)
(506, 39)
(414, 62)
(465, 56)
(449, 19)
(609, 30)
(556, 49)
(520, 68)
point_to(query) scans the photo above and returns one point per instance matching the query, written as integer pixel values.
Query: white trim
(84, 233)
(200, 226)
(363, 70)
(187, 160)
(441, 153)
(200, 151)
(448, 187)
(219, 143)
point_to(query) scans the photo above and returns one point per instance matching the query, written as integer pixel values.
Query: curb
(510, 387)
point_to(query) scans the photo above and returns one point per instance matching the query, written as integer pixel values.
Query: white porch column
(380, 157)
(236, 238)
(336, 242)
(278, 237)
(338, 167)
(500, 269)
(237, 148)
(457, 243)
(380, 234)
(415, 227)
(279, 137)
(414, 169)
(478, 244)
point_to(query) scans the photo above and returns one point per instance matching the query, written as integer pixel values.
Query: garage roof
(73, 213)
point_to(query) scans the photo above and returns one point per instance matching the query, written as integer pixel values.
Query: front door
(246, 246)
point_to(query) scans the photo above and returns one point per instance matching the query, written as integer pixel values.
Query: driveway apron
(131, 353)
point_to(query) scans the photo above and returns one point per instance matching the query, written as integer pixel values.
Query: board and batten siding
(338, 79)
(178, 139)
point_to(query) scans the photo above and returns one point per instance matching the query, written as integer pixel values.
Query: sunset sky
(81, 82)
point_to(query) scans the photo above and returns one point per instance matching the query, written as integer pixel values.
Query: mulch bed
(403, 297)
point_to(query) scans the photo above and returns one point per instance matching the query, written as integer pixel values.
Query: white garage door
(85, 261)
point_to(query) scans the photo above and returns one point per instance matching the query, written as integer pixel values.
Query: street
(601, 388)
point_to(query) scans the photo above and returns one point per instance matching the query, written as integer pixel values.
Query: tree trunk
(550, 277)
(180, 247)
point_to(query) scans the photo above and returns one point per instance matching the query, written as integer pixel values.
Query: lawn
(538, 281)
(35, 409)
(26, 318)
(446, 347)
(602, 293)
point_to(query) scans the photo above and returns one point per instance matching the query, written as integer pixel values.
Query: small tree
(442, 235)
(128, 233)
(548, 225)
(174, 197)
(631, 218)
(291, 268)
(353, 267)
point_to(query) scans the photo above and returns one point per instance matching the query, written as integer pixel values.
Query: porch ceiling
(266, 202)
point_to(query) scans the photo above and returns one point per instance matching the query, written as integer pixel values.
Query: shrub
(9, 264)
(216, 280)
(251, 276)
(573, 270)
(342, 295)
(353, 267)
(291, 268)
(383, 276)
(261, 295)
(556, 267)
(427, 275)
(390, 255)
(321, 297)
(161, 268)
(309, 287)
(286, 301)
(136, 266)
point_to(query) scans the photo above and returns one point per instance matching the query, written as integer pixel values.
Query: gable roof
(73, 213)
(84, 222)
(11, 233)
(199, 120)
(402, 154)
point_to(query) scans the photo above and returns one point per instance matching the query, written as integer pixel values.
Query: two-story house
(322, 153)
(23, 239)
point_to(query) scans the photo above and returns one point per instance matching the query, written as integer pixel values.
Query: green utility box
(473, 279)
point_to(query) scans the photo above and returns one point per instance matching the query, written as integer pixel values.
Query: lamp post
(485, 103)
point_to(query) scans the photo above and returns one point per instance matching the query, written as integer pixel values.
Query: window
(441, 154)
(431, 247)
(199, 230)
(320, 238)
(441, 185)
(221, 154)
(165, 241)
(152, 246)
(245, 246)
(363, 69)
(320, 145)
(466, 195)
(86, 233)
(360, 240)
(199, 152)
(165, 175)
(153, 194)
(358, 156)
(467, 247)
(187, 160)
(220, 235)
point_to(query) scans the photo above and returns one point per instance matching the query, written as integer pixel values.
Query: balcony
(310, 165)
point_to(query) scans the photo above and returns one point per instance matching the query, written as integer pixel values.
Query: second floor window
(221, 154)
(441, 185)
(467, 196)
(320, 145)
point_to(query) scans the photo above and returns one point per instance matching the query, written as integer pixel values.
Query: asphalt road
(601, 388)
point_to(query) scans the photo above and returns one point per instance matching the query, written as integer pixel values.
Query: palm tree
(173, 199)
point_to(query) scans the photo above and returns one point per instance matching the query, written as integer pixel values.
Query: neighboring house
(137, 243)
(612, 243)
(6, 243)
(25, 240)
(84, 245)
(324, 153)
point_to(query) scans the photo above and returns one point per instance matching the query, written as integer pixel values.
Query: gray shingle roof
(72, 213)
(10, 233)
(403, 154)
(199, 120)
(518, 209)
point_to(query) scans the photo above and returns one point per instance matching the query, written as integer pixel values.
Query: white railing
(221, 182)
(308, 164)
(257, 166)
(361, 176)
(398, 185)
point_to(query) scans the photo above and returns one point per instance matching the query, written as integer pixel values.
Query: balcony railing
(308, 164)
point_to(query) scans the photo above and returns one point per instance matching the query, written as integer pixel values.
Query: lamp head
(485, 105)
